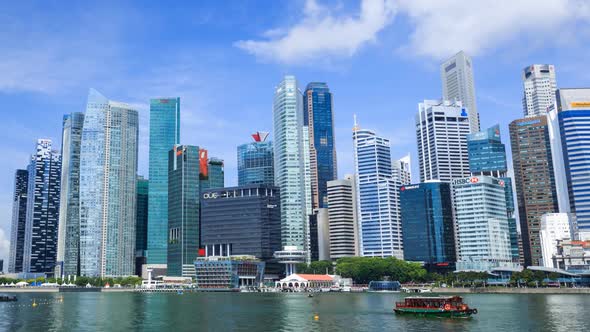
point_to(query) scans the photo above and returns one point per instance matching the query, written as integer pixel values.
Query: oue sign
(210, 195)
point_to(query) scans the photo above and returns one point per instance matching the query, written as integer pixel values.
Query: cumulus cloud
(4, 247)
(322, 33)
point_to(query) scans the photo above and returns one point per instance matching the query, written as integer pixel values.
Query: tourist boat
(440, 306)
(7, 298)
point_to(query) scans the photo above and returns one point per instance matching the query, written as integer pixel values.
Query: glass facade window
(164, 134)
(255, 163)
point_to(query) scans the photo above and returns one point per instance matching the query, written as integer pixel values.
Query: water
(283, 312)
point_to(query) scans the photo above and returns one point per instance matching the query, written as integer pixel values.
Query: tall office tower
(141, 223)
(40, 250)
(164, 134)
(216, 173)
(487, 156)
(255, 161)
(183, 209)
(342, 216)
(380, 229)
(289, 162)
(108, 187)
(539, 89)
(482, 225)
(428, 227)
(68, 245)
(573, 116)
(402, 168)
(19, 221)
(441, 132)
(318, 116)
(457, 79)
(534, 179)
(554, 227)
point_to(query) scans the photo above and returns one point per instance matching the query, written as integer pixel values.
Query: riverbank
(508, 290)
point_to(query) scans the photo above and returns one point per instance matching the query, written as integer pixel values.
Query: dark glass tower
(318, 115)
(141, 224)
(183, 209)
(19, 219)
(535, 180)
(255, 161)
(40, 250)
(427, 223)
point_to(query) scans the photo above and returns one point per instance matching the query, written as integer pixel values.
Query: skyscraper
(458, 85)
(215, 174)
(183, 209)
(108, 187)
(482, 224)
(555, 227)
(19, 221)
(318, 116)
(255, 161)
(289, 162)
(487, 156)
(441, 130)
(141, 223)
(573, 114)
(164, 134)
(342, 216)
(534, 179)
(539, 89)
(68, 247)
(40, 250)
(428, 228)
(380, 229)
(402, 168)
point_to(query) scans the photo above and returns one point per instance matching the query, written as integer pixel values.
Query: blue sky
(223, 59)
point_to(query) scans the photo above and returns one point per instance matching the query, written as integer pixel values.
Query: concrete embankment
(505, 290)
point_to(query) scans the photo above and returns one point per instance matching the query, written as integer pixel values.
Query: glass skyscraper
(141, 223)
(214, 177)
(19, 221)
(164, 134)
(183, 209)
(380, 229)
(108, 187)
(44, 180)
(318, 116)
(255, 161)
(428, 227)
(68, 247)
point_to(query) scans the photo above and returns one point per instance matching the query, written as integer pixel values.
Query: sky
(380, 58)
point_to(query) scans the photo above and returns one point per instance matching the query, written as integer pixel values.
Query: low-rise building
(303, 281)
(228, 272)
(573, 256)
(554, 227)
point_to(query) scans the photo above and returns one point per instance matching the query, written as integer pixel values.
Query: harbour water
(129, 311)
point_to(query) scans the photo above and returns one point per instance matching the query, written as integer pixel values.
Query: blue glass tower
(19, 220)
(255, 161)
(318, 116)
(427, 223)
(164, 135)
(487, 156)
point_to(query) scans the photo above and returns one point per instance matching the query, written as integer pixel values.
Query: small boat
(309, 295)
(439, 306)
(7, 298)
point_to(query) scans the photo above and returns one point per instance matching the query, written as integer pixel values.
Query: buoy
(34, 303)
(316, 317)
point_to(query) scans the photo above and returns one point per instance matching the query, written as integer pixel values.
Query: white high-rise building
(539, 89)
(482, 232)
(342, 218)
(379, 215)
(441, 132)
(402, 168)
(457, 80)
(555, 226)
(291, 170)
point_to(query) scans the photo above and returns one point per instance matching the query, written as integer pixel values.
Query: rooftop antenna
(356, 126)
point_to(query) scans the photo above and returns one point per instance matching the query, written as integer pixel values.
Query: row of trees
(80, 281)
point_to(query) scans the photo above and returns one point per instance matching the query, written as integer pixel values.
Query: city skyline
(32, 96)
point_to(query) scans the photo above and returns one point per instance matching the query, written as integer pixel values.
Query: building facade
(402, 169)
(213, 176)
(427, 223)
(183, 209)
(555, 227)
(482, 224)
(377, 196)
(43, 194)
(19, 221)
(318, 116)
(534, 178)
(539, 85)
(256, 161)
(68, 247)
(441, 130)
(458, 85)
(141, 223)
(108, 185)
(342, 215)
(228, 273)
(164, 134)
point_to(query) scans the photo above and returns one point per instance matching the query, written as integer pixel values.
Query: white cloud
(440, 28)
(321, 33)
(4, 247)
